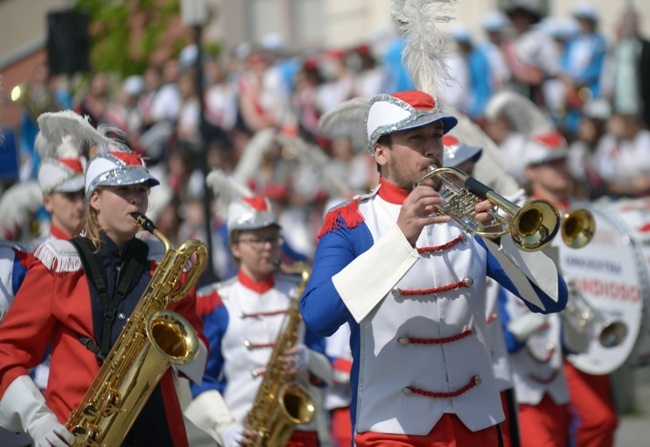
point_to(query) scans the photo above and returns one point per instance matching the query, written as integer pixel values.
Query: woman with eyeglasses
(242, 319)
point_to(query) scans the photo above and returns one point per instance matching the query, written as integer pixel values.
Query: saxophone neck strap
(132, 268)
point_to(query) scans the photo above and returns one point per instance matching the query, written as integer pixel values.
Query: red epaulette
(347, 215)
(205, 304)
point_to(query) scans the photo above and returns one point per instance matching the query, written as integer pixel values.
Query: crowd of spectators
(596, 90)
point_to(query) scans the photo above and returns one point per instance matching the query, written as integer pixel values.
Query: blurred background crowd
(197, 110)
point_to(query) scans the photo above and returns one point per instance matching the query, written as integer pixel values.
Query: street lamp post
(194, 13)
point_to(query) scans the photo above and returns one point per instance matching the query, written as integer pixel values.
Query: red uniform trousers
(303, 439)
(341, 427)
(544, 425)
(593, 419)
(448, 432)
(508, 423)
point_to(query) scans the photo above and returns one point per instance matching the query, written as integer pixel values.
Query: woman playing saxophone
(80, 315)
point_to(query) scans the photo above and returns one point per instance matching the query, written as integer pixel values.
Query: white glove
(23, 408)
(233, 436)
(50, 433)
(302, 357)
(526, 325)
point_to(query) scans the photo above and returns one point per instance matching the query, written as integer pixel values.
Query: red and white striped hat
(401, 111)
(250, 213)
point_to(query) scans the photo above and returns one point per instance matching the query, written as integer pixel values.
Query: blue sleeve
(511, 342)
(496, 272)
(17, 275)
(321, 305)
(214, 327)
(317, 344)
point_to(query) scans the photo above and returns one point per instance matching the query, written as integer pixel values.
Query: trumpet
(581, 315)
(532, 226)
(578, 228)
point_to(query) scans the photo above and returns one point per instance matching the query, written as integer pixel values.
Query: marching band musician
(243, 318)
(593, 418)
(81, 314)
(412, 287)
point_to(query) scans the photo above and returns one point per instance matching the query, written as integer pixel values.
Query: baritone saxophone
(153, 339)
(280, 403)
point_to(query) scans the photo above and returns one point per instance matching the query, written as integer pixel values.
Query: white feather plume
(489, 168)
(316, 161)
(18, 205)
(57, 127)
(424, 44)
(226, 188)
(350, 113)
(522, 114)
(251, 159)
(67, 149)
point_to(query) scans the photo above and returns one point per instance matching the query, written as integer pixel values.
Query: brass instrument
(578, 228)
(152, 339)
(280, 404)
(581, 316)
(532, 226)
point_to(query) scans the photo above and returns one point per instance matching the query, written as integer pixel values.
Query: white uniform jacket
(498, 350)
(417, 315)
(242, 325)
(535, 347)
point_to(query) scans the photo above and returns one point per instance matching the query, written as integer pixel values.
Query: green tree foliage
(125, 34)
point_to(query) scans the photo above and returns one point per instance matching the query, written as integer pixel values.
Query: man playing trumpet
(411, 284)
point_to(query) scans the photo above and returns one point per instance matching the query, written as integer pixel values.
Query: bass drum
(612, 275)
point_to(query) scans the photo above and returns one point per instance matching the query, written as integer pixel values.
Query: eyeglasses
(259, 243)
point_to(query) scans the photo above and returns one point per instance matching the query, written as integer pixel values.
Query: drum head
(611, 274)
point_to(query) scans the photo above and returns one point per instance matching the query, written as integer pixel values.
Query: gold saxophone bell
(578, 228)
(532, 226)
(281, 402)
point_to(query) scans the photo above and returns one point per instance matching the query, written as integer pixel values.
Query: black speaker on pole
(68, 42)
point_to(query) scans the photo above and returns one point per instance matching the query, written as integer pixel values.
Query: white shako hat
(457, 152)
(115, 168)
(250, 213)
(545, 148)
(63, 173)
(62, 165)
(401, 111)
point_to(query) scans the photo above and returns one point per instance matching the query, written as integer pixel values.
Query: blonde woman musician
(60, 303)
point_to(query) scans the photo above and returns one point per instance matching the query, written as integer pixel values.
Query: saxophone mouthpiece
(144, 222)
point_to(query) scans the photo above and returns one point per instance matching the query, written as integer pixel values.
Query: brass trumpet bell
(578, 228)
(534, 225)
